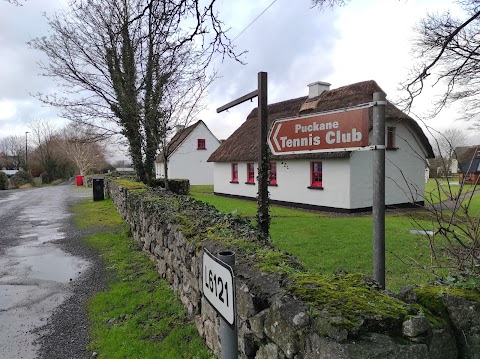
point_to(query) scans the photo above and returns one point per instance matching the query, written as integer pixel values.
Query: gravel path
(66, 333)
(47, 274)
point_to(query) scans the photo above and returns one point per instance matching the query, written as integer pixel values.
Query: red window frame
(250, 172)
(201, 144)
(272, 177)
(390, 137)
(235, 172)
(316, 174)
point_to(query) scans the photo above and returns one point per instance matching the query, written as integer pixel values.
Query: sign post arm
(378, 210)
(238, 101)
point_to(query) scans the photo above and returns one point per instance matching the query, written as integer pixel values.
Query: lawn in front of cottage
(326, 243)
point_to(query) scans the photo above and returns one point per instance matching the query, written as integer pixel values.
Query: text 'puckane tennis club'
(336, 130)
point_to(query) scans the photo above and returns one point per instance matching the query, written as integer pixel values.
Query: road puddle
(47, 263)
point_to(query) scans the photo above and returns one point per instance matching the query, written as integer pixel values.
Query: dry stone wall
(273, 322)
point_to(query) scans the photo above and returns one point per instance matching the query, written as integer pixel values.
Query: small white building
(338, 181)
(189, 150)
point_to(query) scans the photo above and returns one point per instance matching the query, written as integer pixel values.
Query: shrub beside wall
(3, 181)
(283, 311)
(178, 186)
(21, 178)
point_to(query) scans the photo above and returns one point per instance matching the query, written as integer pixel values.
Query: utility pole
(26, 150)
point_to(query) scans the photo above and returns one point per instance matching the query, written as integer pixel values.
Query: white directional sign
(219, 286)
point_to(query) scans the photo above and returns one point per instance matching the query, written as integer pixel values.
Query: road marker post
(219, 290)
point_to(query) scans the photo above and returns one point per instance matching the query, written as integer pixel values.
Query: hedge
(178, 186)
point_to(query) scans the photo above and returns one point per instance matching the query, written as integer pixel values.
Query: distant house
(9, 162)
(339, 181)
(189, 150)
(9, 173)
(468, 164)
(125, 170)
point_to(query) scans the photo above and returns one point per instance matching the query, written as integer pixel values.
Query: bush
(22, 178)
(3, 181)
(178, 186)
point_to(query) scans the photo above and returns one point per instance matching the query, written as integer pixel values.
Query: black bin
(98, 188)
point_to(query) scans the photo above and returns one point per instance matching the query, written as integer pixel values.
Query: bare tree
(13, 150)
(329, 3)
(447, 50)
(183, 103)
(48, 158)
(118, 59)
(445, 145)
(14, 2)
(82, 146)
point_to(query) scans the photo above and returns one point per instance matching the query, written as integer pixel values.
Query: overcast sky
(295, 44)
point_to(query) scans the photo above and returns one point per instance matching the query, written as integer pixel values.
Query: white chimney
(315, 89)
(179, 128)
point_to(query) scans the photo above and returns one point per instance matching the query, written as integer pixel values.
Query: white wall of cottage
(189, 162)
(404, 171)
(293, 180)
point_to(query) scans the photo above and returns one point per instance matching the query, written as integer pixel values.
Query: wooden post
(263, 217)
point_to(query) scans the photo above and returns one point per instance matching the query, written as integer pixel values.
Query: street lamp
(26, 150)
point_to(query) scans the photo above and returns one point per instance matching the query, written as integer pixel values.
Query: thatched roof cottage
(340, 181)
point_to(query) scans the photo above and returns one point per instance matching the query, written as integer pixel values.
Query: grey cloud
(19, 72)
(286, 32)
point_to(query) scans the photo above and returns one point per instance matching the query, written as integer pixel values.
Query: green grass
(247, 209)
(138, 316)
(325, 244)
(440, 189)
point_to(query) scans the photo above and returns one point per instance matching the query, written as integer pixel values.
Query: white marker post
(219, 290)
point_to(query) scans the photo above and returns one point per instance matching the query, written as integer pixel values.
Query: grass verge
(326, 244)
(139, 316)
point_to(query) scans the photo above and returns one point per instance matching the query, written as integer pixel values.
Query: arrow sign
(343, 130)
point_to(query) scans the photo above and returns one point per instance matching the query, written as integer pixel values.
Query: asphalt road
(46, 275)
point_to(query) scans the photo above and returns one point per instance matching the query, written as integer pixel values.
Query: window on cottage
(250, 173)
(234, 173)
(272, 176)
(201, 144)
(316, 174)
(390, 137)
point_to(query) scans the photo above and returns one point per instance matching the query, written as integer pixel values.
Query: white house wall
(189, 162)
(293, 179)
(404, 172)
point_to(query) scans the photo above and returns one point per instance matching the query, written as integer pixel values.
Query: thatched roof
(240, 146)
(177, 140)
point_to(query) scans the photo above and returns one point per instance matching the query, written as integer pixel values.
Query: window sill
(273, 184)
(391, 148)
(315, 187)
(234, 182)
(252, 183)
(201, 149)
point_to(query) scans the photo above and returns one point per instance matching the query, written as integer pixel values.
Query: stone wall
(272, 320)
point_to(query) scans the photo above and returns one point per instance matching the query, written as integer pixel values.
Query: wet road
(35, 274)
